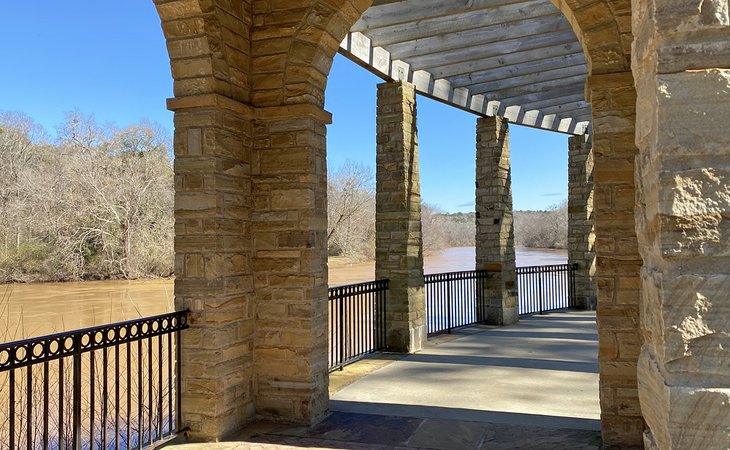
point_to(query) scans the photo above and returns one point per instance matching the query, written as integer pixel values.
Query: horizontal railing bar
(349, 290)
(545, 269)
(8, 351)
(454, 276)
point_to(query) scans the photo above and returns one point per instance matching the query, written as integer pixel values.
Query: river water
(28, 310)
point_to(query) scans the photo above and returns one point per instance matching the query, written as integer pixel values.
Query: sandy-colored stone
(495, 248)
(581, 222)
(398, 242)
(251, 194)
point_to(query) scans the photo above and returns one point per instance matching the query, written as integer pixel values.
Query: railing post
(539, 290)
(178, 382)
(341, 301)
(77, 393)
(571, 274)
(448, 303)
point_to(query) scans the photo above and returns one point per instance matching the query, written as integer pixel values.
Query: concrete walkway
(542, 371)
(529, 386)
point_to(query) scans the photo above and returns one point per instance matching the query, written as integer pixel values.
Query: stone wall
(250, 192)
(495, 247)
(398, 241)
(680, 60)
(289, 231)
(213, 262)
(250, 171)
(581, 225)
(617, 256)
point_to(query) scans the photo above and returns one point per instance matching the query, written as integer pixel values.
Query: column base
(407, 341)
(501, 316)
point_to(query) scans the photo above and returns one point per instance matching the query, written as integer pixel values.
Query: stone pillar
(398, 243)
(617, 256)
(680, 61)
(213, 277)
(495, 246)
(581, 233)
(290, 262)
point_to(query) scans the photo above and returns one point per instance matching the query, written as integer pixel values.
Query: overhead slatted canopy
(514, 58)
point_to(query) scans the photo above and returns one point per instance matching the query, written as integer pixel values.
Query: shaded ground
(542, 371)
(529, 386)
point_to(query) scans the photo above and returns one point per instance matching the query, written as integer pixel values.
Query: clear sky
(109, 59)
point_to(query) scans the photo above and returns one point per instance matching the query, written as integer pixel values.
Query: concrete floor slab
(542, 371)
(529, 386)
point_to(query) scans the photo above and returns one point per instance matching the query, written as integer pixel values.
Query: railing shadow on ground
(519, 363)
(465, 414)
(408, 426)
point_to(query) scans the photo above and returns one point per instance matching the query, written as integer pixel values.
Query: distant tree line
(542, 229)
(351, 219)
(96, 203)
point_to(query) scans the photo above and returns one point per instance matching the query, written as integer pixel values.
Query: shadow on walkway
(533, 385)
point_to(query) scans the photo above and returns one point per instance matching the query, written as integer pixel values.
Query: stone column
(617, 256)
(213, 277)
(581, 233)
(495, 246)
(398, 243)
(680, 61)
(290, 262)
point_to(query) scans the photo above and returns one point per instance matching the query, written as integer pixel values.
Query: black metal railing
(546, 288)
(451, 299)
(110, 386)
(356, 321)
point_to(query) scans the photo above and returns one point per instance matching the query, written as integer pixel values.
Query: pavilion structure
(643, 87)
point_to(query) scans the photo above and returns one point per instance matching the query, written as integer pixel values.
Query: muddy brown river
(28, 310)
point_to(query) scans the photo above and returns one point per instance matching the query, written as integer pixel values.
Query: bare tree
(543, 229)
(19, 136)
(96, 205)
(351, 211)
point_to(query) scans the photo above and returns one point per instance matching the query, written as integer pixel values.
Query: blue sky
(109, 59)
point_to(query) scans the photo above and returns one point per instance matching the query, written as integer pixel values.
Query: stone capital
(210, 101)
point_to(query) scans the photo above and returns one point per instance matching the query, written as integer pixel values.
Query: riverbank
(33, 309)
(342, 271)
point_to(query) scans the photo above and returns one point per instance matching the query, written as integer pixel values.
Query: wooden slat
(457, 22)
(522, 69)
(548, 89)
(484, 51)
(515, 58)
(382, 14)
(480, 36)
(522, 80)
(508, 59)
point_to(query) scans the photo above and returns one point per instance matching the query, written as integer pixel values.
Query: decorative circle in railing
(54, 346)
(47, 348)
(39, 349)
(4, 357)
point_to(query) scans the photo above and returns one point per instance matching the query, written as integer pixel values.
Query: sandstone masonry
(495, 248)
(581, 224)
(617, 256)
(398, 242)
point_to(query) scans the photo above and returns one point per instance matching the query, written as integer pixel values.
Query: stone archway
(604, 30)
(251, 192)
